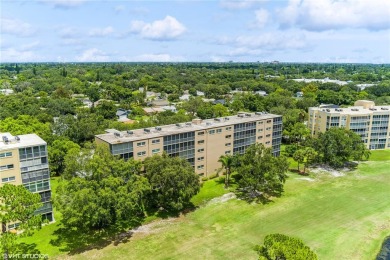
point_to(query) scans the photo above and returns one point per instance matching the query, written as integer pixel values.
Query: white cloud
(267, 41)
(93, 55)
(63, 3)
(119, 8)
(262, 17)
(19, 55)
(101, 32)
(167, 29)
(69, 33)
(323, 15)
(237, 4)
(30, 46)
(16, 27)
(157, 58)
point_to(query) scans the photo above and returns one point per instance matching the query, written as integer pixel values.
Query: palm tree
(227, 163)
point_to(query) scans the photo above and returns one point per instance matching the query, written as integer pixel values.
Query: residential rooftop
(354, 110)
(114, 136)
(8, 141)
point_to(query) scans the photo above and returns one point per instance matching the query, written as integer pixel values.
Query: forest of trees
(99, 191)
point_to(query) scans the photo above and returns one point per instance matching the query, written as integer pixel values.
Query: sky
(350, 31)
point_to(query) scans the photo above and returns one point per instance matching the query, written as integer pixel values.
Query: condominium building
(23, 161)
(201, 142)
(364, 118)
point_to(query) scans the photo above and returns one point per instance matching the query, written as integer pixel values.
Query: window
(228, 136)
(201, 142)
(260, 130)
(212, 132)
(156, 141)
(6, 167)
(269, 121)
(8, 179)
(228, 128)
(268, 128)
(43, 160)
(141, 144)
(228, 152)
(260, 123)
(200, 158)
(219, 131)
(228, 144)
(6, 154)
(154, 151)
(260, 137)
(200, 133)
(267, 142)
(200, 167)
(201, 150)
(13, 226)
(143, 153)
(268, 135)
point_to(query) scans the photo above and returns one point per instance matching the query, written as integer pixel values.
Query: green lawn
(380, 155)
(339, 217)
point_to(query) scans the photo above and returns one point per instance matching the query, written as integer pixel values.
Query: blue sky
(211, 31)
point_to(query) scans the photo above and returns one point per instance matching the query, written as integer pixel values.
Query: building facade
(201, 142)
(24, 161)
(364, 118)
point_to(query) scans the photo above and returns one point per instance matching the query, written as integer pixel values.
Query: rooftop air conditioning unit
(130, 132)
(146, 130)
(158, 128)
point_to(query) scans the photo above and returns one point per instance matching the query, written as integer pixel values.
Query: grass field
(343, 217)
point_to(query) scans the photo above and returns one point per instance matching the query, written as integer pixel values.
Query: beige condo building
(24, 161)
(364, 118)
(201, 142)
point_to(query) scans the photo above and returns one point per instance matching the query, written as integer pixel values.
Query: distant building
(261, 93)
(299, 94)
(185, 97)
(24, 161)
(122, 115)
(219, 101)
(322, 81)
(201, 142)
(199, 93)
(363, 86)
(6, 91)
(158, 103)
(364, 118)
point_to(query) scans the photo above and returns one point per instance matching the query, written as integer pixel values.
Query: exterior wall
(216, 144)
(15, 172)
(201, 146)
(371, 122)
(30, 169)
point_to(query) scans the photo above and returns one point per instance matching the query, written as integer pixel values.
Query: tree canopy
(279, 246)
(17, 205)
(261, 175)
(173, 181)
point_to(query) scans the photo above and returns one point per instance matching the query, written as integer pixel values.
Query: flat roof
(140, 134)
(355, 110)
(24, 141)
